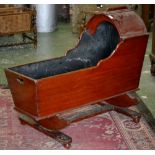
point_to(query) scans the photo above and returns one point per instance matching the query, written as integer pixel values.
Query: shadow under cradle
(90, 50)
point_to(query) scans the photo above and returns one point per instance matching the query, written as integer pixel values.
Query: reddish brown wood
(113, 76)
(46, 101)
(123, 100)
(53, 123)
(24, 94)
(127, 22)
(64, 119)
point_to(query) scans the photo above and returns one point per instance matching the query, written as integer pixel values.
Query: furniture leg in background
(152, 55)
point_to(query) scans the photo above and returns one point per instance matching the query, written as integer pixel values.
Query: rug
(108, 131)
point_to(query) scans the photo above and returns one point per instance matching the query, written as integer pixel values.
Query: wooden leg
(62, 138)
(152, 69)
(23, 36)
(152, 55)
(124, 100)
(35, 39)
(23, 42)
(51, 125)
(34, 29)
(128, 112)
(113, 104)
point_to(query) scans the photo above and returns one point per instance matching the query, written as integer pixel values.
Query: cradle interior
(89, 51)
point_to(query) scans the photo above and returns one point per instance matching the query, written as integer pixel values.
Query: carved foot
(128, 112)
(22, 122)
(62, 138)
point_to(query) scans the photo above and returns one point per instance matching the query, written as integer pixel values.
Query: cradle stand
(51, 126)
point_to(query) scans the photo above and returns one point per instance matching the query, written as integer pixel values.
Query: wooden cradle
(44, 103)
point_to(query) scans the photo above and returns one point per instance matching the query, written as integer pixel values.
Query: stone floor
(55, 44)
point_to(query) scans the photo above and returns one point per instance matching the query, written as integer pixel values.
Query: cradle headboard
(126, 21)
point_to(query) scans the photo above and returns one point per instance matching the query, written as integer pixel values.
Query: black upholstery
(90, 50)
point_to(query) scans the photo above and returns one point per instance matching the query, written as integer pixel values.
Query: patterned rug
(108, 131)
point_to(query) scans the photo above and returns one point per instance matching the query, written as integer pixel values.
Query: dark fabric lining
(90, 50)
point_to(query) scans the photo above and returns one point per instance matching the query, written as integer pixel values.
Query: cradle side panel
(23, 92)
(115, 75)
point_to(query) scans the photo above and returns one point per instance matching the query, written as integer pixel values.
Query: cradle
(44, 103)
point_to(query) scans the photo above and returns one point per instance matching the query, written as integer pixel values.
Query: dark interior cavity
(90, 50)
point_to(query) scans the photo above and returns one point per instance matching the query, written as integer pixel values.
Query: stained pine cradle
(52, 103)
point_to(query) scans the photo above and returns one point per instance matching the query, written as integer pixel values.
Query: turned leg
(35, 38)
(34, 29)
(62, 138)
(152, 69)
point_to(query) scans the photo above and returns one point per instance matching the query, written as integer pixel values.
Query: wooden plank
(23, 91)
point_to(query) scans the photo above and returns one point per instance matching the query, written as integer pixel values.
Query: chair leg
(23, 36)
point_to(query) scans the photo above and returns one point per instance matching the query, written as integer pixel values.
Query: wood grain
(113, 76)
